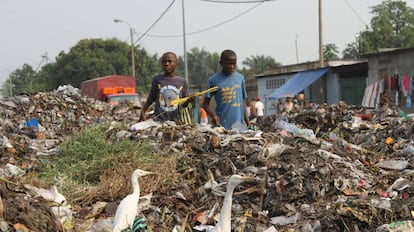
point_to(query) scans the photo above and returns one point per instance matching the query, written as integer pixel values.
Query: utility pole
(132, 51)
(320, 36)
(185, 46)
(296, 46)
(131, 31)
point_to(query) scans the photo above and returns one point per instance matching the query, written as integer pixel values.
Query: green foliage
(21, 81)
(351, 51)
(330, 52)
(92, 58)
(392, 26)
(84, 157)
(201, 65)
(259, 64)
(146, 68)
(89, 58)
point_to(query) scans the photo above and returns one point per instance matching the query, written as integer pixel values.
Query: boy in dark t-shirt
(164, 89)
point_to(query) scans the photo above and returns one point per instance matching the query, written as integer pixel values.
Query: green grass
(85, 156)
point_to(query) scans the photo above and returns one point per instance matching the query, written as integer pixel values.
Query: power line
(211, 27)
(156, 21)
(356, 13)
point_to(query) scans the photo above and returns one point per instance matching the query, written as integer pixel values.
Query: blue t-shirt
(229, 97)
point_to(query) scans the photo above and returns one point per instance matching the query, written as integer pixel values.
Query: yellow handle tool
(184, 99)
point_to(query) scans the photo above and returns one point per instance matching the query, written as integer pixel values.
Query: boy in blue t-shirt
(230, 97)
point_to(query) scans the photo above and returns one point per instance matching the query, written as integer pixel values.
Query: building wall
(317, 92)
(326, 89)
(333, 90)
(264, 88)
(384, 65)
(391, 63)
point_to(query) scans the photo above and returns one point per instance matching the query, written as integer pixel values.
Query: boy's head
(169, 63)
(228, 61)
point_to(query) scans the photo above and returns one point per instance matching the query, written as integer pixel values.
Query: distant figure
(259, 106)
(383, 100)
(231, 96)
(280, 106)
(301, 101)
(252, 107)
(288, 104)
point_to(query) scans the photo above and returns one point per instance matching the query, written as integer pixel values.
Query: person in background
(164, 89)
(301, 101)
(231, 106)
(252, 108)
(259, 110)
(288, 104)
(280, 106)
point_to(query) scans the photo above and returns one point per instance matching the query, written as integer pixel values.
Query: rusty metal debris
(328, 168)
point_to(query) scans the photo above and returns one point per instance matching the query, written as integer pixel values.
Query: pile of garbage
(327, 168)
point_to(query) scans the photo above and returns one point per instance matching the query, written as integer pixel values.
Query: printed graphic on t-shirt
(229, 94)
(168, 93)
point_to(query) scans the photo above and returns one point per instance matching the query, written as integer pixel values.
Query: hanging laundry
(394, 82)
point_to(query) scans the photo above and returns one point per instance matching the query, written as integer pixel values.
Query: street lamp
(132, 44)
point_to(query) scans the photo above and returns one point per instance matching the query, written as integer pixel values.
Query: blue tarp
(297, 83)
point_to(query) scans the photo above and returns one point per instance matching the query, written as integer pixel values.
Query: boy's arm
(150, 99)
(206, 106)
(246, 117)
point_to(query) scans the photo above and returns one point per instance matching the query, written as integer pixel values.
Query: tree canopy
(392, 26)
(91, 58)
(201, 64)
(330, 51)
(257, 64)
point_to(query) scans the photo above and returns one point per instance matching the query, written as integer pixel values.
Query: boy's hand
(216, 120)
(190, 98)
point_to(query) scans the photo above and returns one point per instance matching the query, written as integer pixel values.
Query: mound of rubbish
(327, 168)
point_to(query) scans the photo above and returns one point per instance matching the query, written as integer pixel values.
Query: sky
(35, 32)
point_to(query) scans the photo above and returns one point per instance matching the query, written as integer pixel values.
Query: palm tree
(260, 64)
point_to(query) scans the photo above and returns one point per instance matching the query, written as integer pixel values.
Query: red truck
(112, 89)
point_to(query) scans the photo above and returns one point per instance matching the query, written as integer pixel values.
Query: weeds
(85, 157)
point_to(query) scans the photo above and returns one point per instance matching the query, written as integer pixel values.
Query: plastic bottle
(402, 114)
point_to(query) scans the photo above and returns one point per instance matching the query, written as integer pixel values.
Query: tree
(330, 52)
(19, 81)
(392, 26)
(89, 58)
(351, 51)
(147, 66)
(259, 64)
(201, 65)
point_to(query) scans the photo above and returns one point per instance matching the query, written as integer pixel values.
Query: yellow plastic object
(388, 140)
(184, 99)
